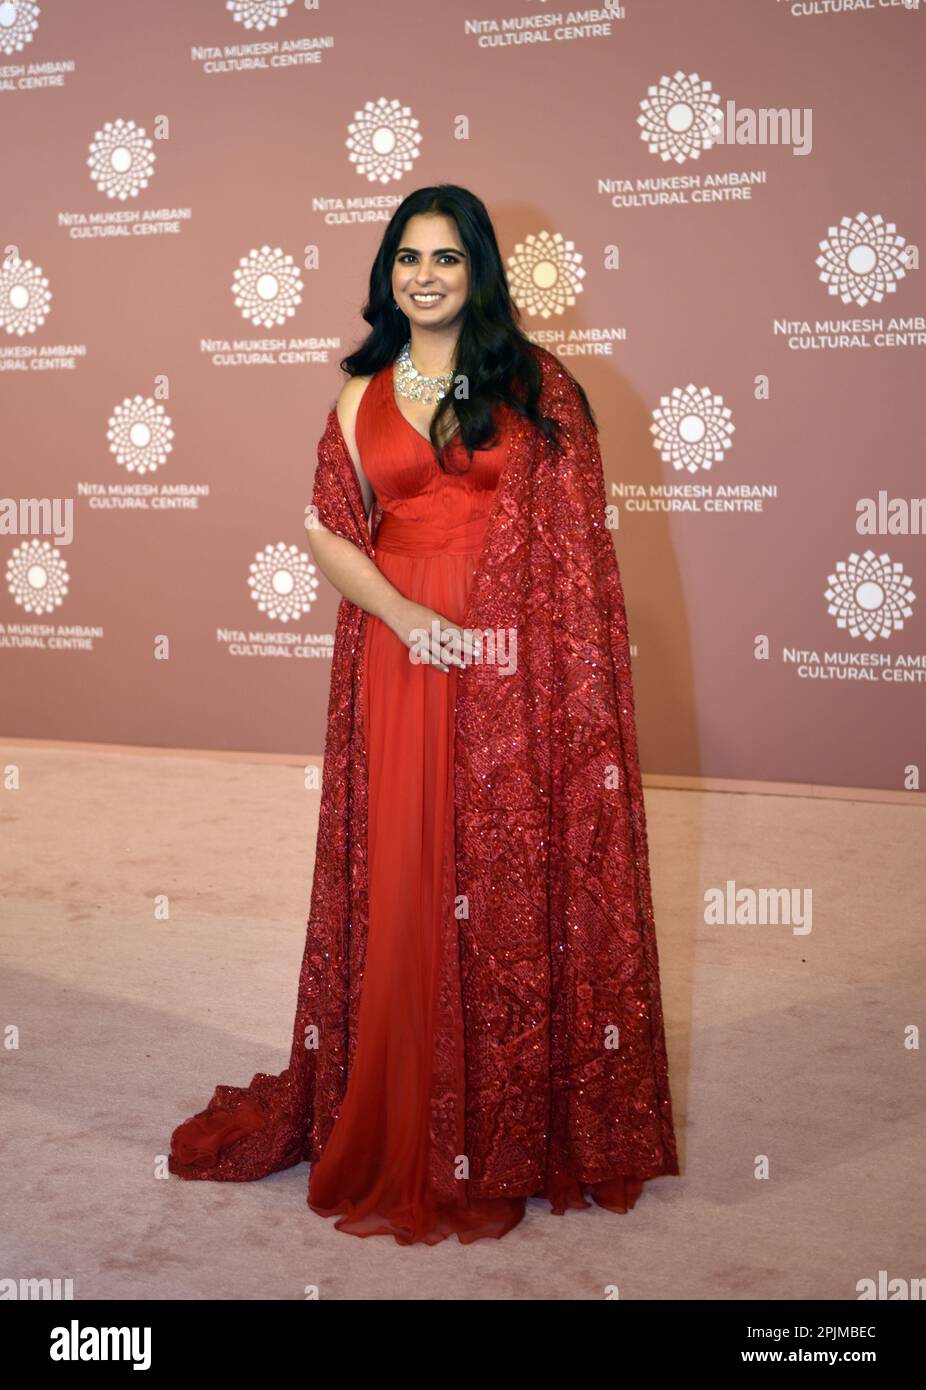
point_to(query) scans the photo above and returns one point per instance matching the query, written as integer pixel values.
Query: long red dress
(373, 1171)
(364, 1124)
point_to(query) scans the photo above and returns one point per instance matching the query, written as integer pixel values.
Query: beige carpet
(782, 1045)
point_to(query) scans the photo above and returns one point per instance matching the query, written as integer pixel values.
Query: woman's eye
(447, 256)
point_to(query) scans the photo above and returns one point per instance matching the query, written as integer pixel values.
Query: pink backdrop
(174, 173)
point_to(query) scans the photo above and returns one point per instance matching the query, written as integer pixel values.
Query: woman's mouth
(424, 301)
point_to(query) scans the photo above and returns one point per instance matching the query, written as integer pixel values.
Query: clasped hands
(432, 639)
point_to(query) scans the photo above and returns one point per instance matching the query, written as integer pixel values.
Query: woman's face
(430, 273)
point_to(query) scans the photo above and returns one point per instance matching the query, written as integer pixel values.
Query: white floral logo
(545, 274)
(37, 576)
(267, 286)
(283, 582)
(139, 434)
(258, 14)
(25, 298)
(19, 20)
(383, 140)
(862, 259)
(678, 118)
(870, 595)
(692, 428)
(121, 159)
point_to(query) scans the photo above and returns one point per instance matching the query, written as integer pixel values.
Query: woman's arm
(351, 572)
(355, 576)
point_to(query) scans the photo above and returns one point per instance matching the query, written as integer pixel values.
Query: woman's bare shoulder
(347, 405)
(352, 391)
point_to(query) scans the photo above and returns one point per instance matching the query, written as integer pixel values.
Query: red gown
(373, 1171)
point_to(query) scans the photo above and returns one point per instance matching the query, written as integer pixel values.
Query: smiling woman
(479, 1017)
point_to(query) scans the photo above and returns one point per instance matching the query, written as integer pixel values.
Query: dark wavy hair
(492, 354)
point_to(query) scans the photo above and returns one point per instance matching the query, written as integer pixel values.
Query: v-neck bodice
(423, 505)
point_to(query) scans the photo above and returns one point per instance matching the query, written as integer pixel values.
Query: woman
(479, 1016)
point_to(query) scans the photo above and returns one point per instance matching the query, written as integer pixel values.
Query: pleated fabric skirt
(373, 1171)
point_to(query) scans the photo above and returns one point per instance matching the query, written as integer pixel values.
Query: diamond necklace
(414, 385)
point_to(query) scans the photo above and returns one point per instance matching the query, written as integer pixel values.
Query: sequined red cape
(550, 1057)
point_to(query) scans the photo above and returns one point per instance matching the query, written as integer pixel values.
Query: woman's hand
(426, 633)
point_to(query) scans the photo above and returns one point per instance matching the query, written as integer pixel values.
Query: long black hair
(493, 356)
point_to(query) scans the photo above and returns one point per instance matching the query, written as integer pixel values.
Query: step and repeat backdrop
(711, 211)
